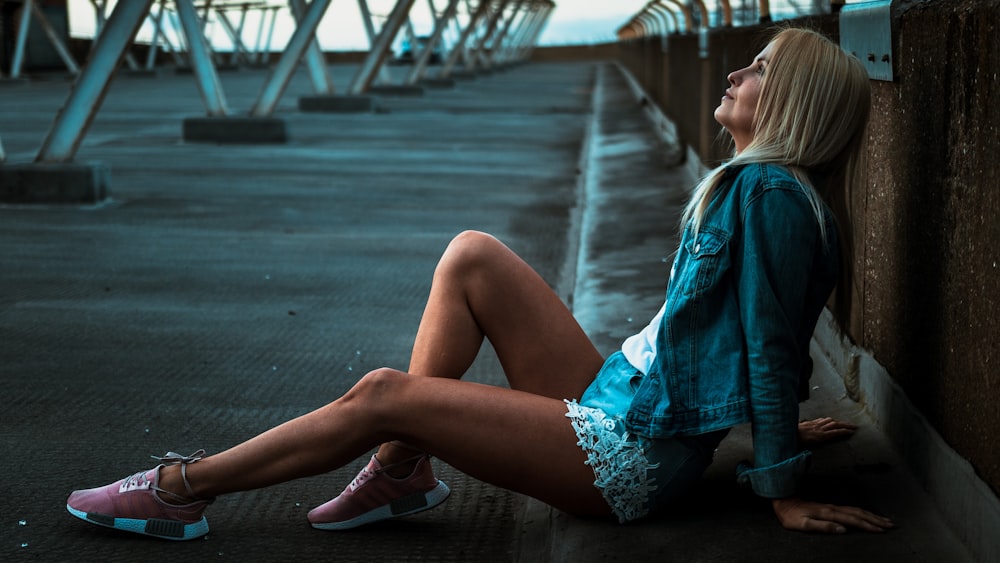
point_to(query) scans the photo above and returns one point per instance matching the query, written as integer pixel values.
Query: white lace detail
(620, 466)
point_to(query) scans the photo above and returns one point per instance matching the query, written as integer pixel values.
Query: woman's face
(735, 113)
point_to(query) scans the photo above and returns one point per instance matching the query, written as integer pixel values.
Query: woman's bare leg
(483, 289)
(514, 439)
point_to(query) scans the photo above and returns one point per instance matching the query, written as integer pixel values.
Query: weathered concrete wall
(931, 232)
(575, 53)
(927, 221)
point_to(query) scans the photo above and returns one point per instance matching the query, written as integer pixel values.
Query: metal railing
(490, 33)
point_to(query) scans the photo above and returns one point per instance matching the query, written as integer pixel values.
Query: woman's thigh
(541, 346)
(517, 440)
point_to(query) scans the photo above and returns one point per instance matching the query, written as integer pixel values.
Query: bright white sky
(572, 22)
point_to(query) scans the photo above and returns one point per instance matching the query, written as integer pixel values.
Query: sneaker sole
(404, 506)
(165, 529)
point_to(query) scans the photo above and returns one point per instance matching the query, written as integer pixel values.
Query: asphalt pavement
(223, 289)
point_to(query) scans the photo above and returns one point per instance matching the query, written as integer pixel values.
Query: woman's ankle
(170, 486)
(398, 461)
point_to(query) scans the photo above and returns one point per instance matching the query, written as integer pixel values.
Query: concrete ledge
(337, 104)
(54, 183)
(234, 130)
(396, 90)
(965, 500)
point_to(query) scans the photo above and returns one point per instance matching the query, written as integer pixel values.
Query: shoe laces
(362, 477)
(174, 458)
(367, 473)
(134, 483)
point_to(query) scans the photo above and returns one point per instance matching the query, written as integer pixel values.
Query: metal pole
(315, 62)
(497, 46)
(75, 116)
(477, 53)
(175, 50)
(270, 34)
(100, 17)
(201, 61)
(239, 32)
(459, 48)
(260, 35)
(363, 79)
(239, 50)
(517, 39)
(54, 39)
(22, 38)
(440, 24)
(537, 32)
(296, 48)
(366, 15)
(157, 32)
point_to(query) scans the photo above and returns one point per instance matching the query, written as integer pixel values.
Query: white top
(640, 349)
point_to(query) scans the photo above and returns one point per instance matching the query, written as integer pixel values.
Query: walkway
(225, 289)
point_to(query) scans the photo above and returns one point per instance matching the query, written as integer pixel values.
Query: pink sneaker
(132, 504)
(373, 495)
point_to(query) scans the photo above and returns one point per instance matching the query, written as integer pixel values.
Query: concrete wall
(575, 53)
(927, 221)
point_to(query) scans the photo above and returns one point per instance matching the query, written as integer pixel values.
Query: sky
(572, 22)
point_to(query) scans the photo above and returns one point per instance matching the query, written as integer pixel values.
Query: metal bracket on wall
(866, 32)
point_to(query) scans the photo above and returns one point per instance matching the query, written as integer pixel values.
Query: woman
(760, 254)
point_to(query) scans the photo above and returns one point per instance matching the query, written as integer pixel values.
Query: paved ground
(225, 289)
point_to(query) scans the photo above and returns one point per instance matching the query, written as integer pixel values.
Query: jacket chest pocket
(705, 261)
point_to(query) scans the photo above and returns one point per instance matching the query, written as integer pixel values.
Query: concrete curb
(967, 504)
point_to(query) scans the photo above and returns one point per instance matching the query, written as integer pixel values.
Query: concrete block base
(443, 83)
(337, 104)
(396, 90)
(54, 183)
(235, 130)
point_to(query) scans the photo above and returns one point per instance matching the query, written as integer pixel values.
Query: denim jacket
(741, 306)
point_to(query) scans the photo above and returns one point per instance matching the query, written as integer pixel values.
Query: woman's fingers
(806, 516)
(842, 517)
(821, 430)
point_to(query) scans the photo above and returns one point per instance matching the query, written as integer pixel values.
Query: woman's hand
(822, 430)
(806, 516)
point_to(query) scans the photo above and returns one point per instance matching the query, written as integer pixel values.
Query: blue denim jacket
(741, 306)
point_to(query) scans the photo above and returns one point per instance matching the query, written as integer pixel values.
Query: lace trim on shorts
(619, 463)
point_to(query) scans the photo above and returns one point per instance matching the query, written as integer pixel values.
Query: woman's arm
(779, 238)
(773, 265)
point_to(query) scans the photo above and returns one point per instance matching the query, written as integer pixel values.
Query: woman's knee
(470, 251)
(378, 387)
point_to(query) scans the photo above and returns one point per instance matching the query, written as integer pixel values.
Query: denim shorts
(636, 475)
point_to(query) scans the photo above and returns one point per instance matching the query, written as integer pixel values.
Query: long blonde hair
(811, 117)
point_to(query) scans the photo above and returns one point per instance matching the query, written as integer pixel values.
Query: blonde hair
(811, 117)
